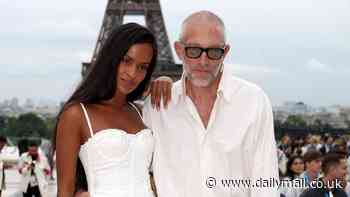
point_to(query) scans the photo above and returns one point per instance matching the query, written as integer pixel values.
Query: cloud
(271, 16)
(315, 65)
(255, 69)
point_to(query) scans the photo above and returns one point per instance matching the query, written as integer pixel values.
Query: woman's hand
(161, 90)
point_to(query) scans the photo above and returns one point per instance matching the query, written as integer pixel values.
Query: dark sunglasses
(212, 53)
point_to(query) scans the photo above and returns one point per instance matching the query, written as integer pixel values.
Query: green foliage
(27, 125)
(277, 123)
(347, 122)
(2, 125)
(50, 124)
(2, 122)
(317, 125)
(295, 121)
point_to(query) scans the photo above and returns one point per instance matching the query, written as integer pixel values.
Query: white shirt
(41, 178)
(237, 144)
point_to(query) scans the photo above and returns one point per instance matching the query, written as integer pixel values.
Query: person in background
(282, 162)
(295, 167)
(328, 144)
(285, 145)
(334, 169)
(312, 161)
(3, 164)
(35, 172)
(297, 146)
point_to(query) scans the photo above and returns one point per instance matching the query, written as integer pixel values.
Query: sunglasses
(196, 52)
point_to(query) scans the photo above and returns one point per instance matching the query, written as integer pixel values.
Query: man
(35, 171)
(3, 165)
(334, 169)
(328, 144)
(313, 162)
(215, 127)
(7, 157)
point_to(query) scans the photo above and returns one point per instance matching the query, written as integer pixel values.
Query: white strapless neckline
(116, 131)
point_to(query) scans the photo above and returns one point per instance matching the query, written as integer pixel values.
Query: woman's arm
(68, 139)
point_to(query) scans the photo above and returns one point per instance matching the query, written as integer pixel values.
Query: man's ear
(179, 50)
(227, 49)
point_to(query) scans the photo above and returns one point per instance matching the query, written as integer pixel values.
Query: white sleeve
(22, 164)
(44, 164)
(265, 164)
(146, 112)
(147, 119)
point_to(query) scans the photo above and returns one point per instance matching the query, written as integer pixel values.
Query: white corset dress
(117, 163)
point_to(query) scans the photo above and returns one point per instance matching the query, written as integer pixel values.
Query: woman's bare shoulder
(72, 114)
(72, 111)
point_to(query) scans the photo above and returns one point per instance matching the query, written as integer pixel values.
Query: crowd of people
(312, 158)
(309, 158)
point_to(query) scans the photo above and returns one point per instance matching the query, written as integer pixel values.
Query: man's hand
(47, 172)
(161, 89)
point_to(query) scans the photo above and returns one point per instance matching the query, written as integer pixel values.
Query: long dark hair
(100, 82)
(289, 172)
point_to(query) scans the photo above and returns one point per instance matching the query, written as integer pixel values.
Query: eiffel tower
(115, 12)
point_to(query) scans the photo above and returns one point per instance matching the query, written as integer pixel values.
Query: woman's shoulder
(72, 111)
(70, 121)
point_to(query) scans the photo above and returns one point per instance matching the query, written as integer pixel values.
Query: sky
(295, 50)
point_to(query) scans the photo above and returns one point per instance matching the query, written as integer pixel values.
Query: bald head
(204, 19)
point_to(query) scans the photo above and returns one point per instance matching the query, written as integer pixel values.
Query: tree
(347, 122)
(2, 125)
(295, 121)
(277, 123)
(11, 122)
(50, 124)
(2, 122)
(28, 125)
(317, 125)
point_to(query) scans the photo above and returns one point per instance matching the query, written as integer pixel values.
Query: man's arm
(147, 112)
(23, 165)
(44, 164)
(147, 118)
(265, 164)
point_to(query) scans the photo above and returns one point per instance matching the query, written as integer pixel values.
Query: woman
(101, 127)
(295, 167)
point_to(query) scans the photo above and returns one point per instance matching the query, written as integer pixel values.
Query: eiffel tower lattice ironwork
(115, 12)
